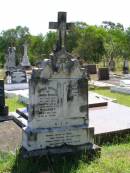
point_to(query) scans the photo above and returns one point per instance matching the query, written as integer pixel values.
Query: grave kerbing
(58, 103)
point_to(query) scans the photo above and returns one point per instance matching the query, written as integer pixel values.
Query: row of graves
(107, 78)
(104, 73)
(61, 116)
(16, 77)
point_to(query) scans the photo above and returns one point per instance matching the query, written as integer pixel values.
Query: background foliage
(91, 43)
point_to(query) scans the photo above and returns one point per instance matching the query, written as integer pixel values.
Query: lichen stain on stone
(83, 86)
(32, 136)
(70, 97)
(83, 108)
(32, 112)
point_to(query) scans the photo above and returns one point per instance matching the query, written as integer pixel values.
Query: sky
(36, 14)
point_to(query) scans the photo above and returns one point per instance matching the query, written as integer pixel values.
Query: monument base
(26, 68)
(42, 138)
(89, 148)
(4, 110)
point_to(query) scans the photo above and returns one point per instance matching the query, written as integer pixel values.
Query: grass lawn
(13, 103)
(114, 159)
(123, 99)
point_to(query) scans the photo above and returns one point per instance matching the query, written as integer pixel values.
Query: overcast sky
(36, 14)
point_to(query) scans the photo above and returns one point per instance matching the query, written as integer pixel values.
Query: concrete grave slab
(94, 99)
(125, 83)
(100, 84)
(10, 94)
(112, 118)
(126, 76)
(109, 119)
(18, 86)
(10, 136)
(120, 89)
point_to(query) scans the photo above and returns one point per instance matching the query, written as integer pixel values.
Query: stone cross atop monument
(61, 26)
(25, 61)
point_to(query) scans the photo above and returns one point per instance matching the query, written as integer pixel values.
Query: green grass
(123, 99)
(13, 103)
(114, 159)
(7, 161)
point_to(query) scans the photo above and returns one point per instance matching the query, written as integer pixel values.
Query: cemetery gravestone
(18, 76)
(112, 65)
(103, 73)
(3, 107)
(10, 59)
(25, 61)
(58, 119)
(126, 66)
(92, 68)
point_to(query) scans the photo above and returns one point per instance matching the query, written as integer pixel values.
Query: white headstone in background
(18, 76)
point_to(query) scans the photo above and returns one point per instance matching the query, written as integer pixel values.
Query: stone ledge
(6, 118)
(66, 149)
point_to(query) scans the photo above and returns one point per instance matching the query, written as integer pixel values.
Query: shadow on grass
(51, 164)
(117, 137)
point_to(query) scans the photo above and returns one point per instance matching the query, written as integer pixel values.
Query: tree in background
(74, 34)
(116, 41)
(49, 43)
(91, 43)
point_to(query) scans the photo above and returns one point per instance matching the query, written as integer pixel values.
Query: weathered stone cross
(61, 26)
